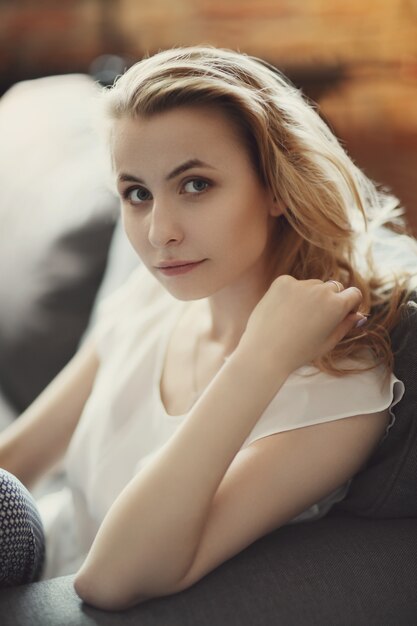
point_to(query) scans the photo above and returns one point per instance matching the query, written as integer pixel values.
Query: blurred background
(356, 58)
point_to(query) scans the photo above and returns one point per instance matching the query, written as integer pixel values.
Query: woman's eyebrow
(187, 166)
(175, 172)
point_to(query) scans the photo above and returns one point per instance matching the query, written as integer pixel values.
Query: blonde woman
(242, 376)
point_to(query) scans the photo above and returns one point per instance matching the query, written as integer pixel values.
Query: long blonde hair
(333, 211)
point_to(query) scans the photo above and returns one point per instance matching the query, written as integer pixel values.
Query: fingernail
(361, 322)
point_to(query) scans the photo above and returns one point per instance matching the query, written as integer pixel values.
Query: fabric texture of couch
(355, 567)
(338, 571)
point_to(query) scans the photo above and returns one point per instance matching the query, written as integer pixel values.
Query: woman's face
(193, 206)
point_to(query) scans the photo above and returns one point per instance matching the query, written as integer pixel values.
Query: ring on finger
(338, 285)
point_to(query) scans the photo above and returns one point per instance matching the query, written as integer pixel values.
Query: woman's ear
(277, 207)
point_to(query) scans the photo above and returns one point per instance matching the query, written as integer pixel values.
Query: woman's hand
(298, 321)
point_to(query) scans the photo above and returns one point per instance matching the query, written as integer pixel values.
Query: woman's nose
(164, 227)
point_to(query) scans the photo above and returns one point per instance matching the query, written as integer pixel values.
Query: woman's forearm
(151, 533)
(148, 541)
(39, 437)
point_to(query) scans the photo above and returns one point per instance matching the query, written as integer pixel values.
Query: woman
(230, 386)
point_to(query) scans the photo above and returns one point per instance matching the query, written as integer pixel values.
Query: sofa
(62, 248)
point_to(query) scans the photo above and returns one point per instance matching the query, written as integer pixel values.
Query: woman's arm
(40, 436)
(151, 541)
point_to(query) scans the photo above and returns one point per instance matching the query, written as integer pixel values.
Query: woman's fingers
(302, 320)
(349, 293)
(352, 298)
(335, 283)
(350, 321)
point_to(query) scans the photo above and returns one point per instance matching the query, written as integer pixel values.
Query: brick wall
(47, 36)
(63, 34)
(373, 43)
(290, 30)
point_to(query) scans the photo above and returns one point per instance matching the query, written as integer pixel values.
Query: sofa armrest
(337, 570)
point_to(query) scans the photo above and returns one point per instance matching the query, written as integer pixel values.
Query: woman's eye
(137, 195)
(196, 186)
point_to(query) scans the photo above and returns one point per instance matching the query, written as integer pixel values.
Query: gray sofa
(355, 567)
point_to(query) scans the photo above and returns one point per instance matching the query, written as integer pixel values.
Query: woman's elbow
(111, 594)
(89, 590)
(103, 594)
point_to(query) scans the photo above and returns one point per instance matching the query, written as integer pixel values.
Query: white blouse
(124, 421)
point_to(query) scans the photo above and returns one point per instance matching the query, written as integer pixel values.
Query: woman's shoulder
(311, 396)
(362, 389)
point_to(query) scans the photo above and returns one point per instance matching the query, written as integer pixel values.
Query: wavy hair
(333, 215)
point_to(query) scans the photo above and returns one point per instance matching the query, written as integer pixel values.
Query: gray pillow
(57, 216)
(387, 486)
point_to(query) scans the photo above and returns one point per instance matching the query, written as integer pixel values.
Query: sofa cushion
(7, 412)
(57, 216)
(387, 485)
(338, 571)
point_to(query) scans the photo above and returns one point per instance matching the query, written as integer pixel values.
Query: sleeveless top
(124, 421)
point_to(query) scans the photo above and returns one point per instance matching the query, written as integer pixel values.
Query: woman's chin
(182, 291)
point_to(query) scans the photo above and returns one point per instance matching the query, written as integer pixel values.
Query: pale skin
(202, 499)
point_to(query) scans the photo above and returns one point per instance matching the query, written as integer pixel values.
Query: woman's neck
(227, 314)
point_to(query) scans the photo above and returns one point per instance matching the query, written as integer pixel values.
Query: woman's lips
(180, 267)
